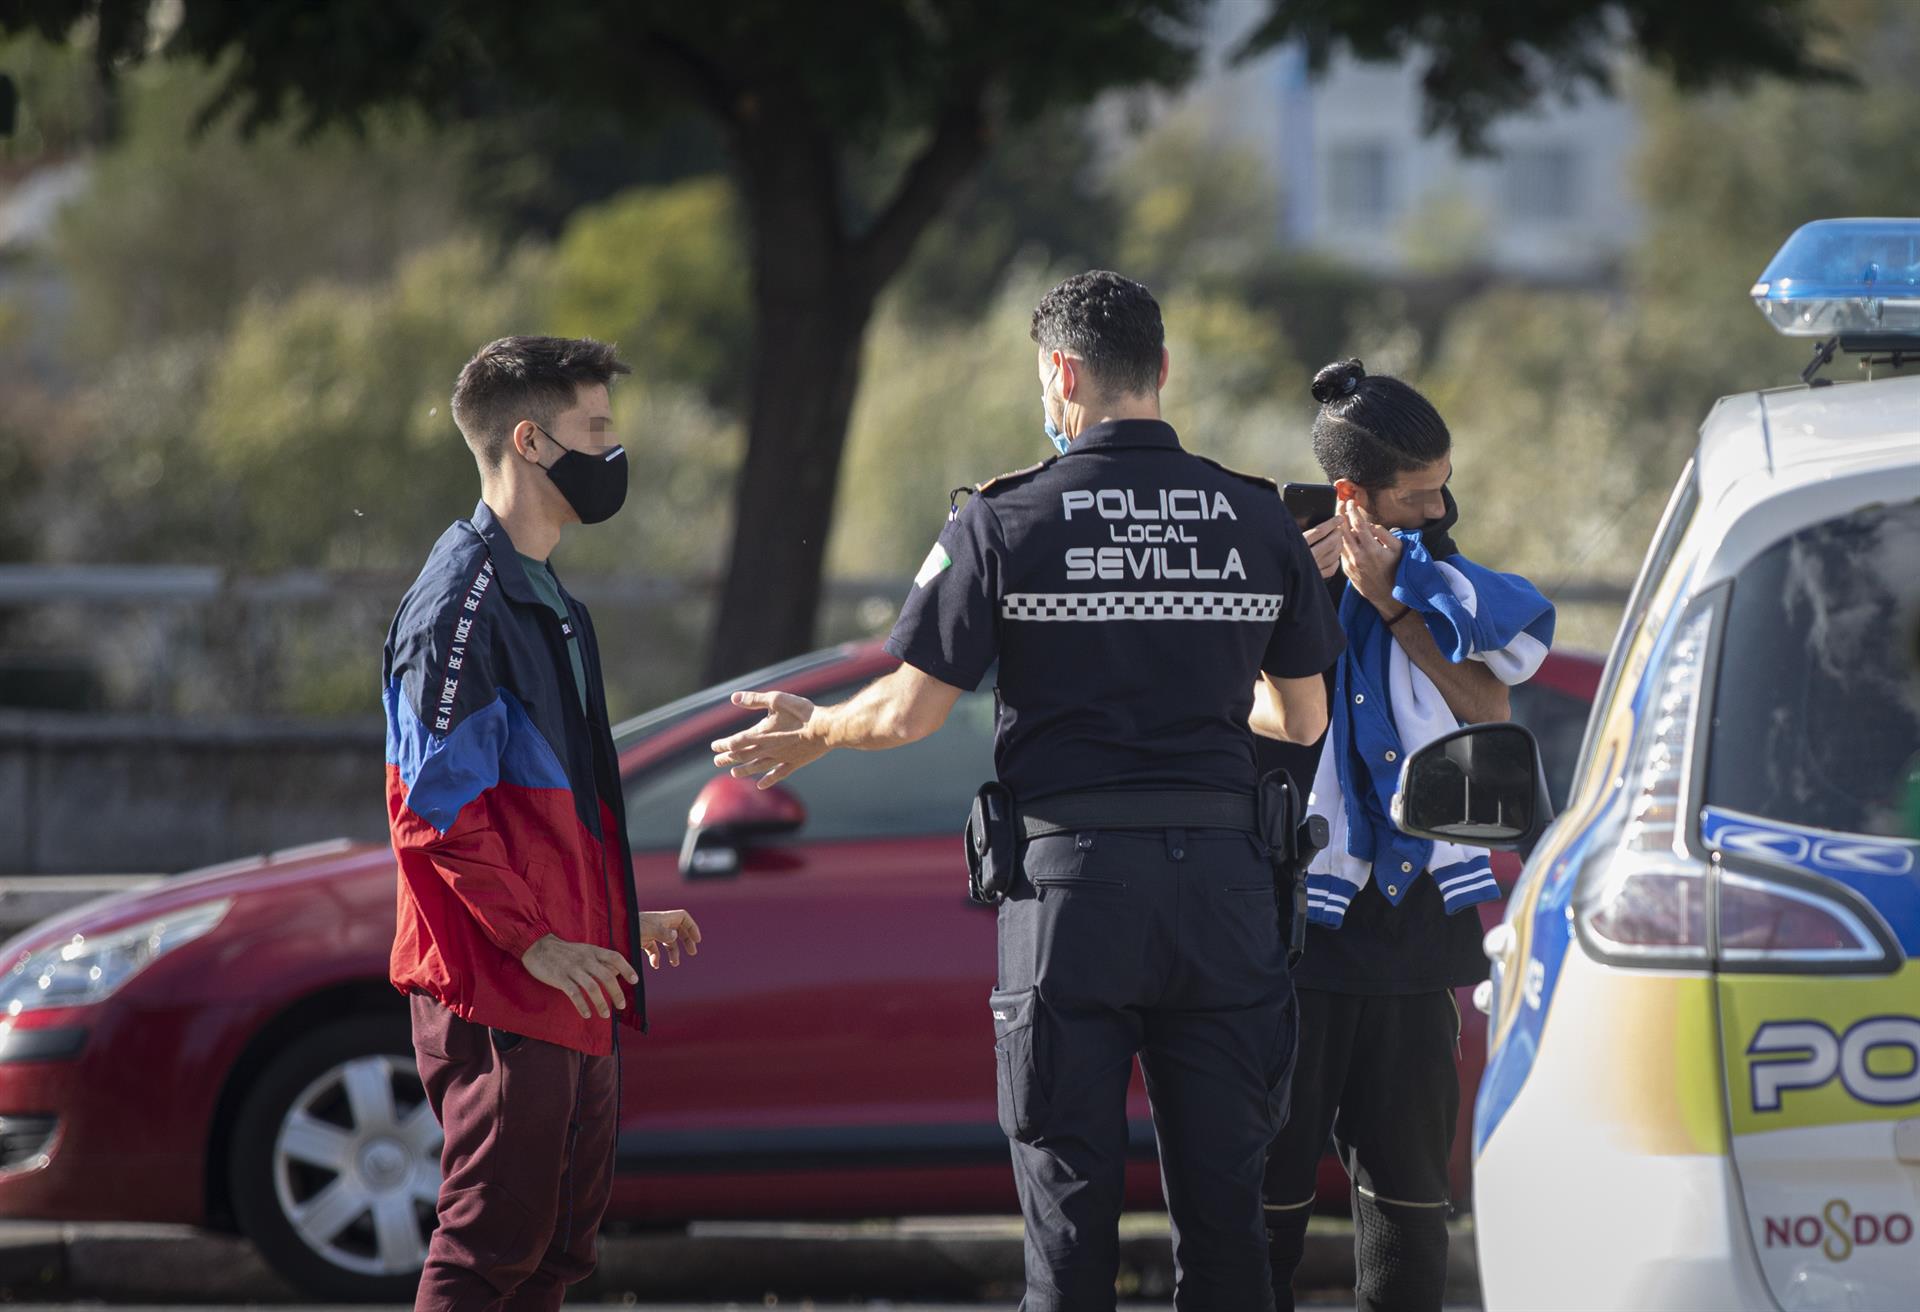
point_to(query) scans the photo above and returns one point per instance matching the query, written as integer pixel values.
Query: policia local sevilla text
(1147, 527)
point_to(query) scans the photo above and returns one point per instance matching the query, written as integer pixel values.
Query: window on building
(1359, 182)
(1542, 183)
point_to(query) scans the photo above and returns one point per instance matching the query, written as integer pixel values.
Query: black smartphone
(1309, 503)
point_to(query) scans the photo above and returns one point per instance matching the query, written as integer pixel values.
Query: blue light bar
(1856, 277)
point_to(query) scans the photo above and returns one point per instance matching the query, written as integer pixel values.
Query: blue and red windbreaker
(503, 797)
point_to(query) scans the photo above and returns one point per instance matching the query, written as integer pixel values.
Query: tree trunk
(806, 365)
(810, 316)
(814, 286)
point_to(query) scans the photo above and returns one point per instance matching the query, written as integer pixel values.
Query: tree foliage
(1728, 177)
(330, 408)
(805, 98)
(1191, 208)
(1573, 412)
(954, 403)
(1041, 195)
(180, 228)
(61, 106)
(1485, 59)
(662, 270)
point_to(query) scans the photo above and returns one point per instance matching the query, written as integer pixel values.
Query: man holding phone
(1312, 505)
(1434, 640)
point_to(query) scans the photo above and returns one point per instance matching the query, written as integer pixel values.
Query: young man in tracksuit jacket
(517, 921)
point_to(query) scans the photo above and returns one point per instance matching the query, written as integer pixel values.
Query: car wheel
(336, 1162)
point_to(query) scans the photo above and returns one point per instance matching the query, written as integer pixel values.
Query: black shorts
(1378, 1075)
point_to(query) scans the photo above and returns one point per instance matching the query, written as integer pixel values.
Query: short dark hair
(1372, 428)
(1112, 323)
(518, 378)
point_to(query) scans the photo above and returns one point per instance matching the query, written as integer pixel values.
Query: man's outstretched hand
(775, 747)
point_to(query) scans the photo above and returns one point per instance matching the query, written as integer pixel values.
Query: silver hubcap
(356, 1166)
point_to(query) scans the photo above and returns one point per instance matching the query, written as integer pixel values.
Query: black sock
(1286, 1243)
(1401, 1256)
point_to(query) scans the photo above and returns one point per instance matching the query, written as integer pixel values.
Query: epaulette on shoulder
(1014, 475)
(1259, 480)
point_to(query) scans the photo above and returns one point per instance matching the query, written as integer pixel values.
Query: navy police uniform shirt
(1131, 592)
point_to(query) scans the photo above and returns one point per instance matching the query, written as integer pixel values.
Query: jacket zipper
(598, 755)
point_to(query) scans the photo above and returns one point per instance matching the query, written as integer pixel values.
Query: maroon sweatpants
(527, 1167)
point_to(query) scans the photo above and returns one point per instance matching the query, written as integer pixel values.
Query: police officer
(1147, 608)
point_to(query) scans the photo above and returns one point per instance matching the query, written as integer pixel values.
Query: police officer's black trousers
(1164, 944)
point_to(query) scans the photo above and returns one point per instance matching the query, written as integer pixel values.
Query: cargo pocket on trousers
(1019, 1063)
(438, 1034)
(1284, 1058)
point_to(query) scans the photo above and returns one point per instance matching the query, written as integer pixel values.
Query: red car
(224, 1050)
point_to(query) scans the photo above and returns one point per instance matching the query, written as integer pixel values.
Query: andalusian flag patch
(936, 560)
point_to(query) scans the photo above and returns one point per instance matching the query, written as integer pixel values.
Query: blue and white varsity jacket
(1384, 707)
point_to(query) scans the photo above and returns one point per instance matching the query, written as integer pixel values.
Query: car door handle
(1906, 1141)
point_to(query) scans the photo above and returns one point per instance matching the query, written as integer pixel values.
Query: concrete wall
(93, 795)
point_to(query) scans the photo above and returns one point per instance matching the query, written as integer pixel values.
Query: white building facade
(1359, 181)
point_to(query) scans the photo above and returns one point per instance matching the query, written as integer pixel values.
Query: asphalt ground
(921, 1264)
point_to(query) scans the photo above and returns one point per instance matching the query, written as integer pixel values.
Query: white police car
(1703, 1087)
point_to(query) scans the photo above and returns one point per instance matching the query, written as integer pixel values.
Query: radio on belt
(992, 845)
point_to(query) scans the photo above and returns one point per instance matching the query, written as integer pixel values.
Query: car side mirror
(726, 817)
(1481, 786)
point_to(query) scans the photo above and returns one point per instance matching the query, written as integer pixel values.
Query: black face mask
(595, 486)
(1434, 534)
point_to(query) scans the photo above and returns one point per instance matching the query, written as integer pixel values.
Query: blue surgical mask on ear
(1054, 435)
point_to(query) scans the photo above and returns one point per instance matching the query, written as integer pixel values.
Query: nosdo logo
(1838, 1230)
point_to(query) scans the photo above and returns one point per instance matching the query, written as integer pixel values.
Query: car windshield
(1817, 711)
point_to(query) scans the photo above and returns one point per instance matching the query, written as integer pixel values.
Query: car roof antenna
(1822, 357)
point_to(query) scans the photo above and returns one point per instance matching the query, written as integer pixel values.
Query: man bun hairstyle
(1372, 428)
(518, 378)
(1110, 322)
(1337, 380)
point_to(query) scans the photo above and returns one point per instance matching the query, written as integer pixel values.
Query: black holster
(1293, 839)
(993, 845)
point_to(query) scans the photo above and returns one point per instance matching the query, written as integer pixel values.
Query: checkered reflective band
(1261, 607)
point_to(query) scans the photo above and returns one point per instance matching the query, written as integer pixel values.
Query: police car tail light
(1769, 924)
(1645, 900)
(1653, 912)
(1845, 278)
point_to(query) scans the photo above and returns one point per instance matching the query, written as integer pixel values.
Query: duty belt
(1066, 813)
